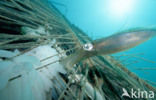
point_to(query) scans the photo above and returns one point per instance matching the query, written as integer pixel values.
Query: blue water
(97, 19)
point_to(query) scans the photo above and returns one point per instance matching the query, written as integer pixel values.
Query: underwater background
(101, 18)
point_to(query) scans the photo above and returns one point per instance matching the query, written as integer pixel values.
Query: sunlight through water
(119, 8)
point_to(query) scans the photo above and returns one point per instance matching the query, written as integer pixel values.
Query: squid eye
(88, 47)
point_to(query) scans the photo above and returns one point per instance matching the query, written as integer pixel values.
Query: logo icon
(125, 93)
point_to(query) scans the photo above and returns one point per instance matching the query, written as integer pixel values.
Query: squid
(115, 43)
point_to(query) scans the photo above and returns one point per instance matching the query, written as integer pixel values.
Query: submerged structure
(45, 57)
